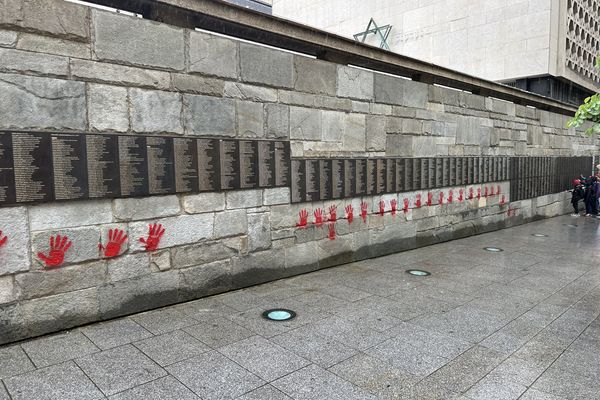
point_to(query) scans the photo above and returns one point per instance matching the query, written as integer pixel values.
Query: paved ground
(522, 323)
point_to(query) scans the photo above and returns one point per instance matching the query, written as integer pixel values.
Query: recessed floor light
(572, 225)
(279, 314)
(493, 249)
(418, 272)
(539, 235)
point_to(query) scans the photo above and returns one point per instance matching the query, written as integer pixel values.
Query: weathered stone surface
(70, 214)
(244, 198)
(209, 115)
(179, 230)
(302, 257)
(146, 208)
(49, 45)
(197, 84)
(416, 94)
(212, 55)
(314, 76)
(84, 248)
(15, 253)
(376, 133)
(276, 196)
(8, 293)
(243, 91)
(205, 280)
(249, 119)
(355, 83)
(160, 261)
(259, 232)
(45, 283)
(55, 18)
(12, 60)
(334, 123)
(305, 123)
(137, 41)
(12, 324)
(119, 74)
(258, 267)
(230, 223)
(8, 38)
(277, 121)
(155, 111)
(389, 89)
(107, 108)
(204, 202)
(354, 133)
(128, 266)
(267, 66)
(32, 102)
(201, 253)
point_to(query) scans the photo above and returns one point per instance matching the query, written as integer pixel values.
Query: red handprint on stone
(450, 196)
(418, 201)
(429, 198)
(461, 193)
(303, 219)
(405, 205)
(333, 213)
(478, 193)
(470, 193)
(502, 200)
(441, 198)
(58, 247)
(394, 206)
(350, 213)
(485, 193)
(499, 190)
(155, 232)
(363, 211)
(492, 194)
(331, 227)
(116, 238)
(381, 207)
(3, 239)
(318, 217)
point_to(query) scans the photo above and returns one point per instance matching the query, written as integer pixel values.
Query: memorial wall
(177, 164)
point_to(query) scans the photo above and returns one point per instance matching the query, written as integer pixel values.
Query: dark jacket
(577, 194)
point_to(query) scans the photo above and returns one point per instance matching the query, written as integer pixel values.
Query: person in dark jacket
(577, 194)
(591, 196)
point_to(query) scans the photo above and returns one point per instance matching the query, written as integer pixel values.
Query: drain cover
(493, 249)
(417, 272)
(279, 314)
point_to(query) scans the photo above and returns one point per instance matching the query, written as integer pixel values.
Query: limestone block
(314, 76)
(389, 89)
(32, 102)
(354, 83)
(155, 111)
(243, 91)
(259, 267)
(277, 121)
(286, 216)
(334, 252)
(249, 119)
(8, 293)
(380, 109)
(70, 214)
(160, 261)
(209, 115)
(204, 202)
(334, 103)
(205, 280)
(60, 280)
(376, 133)
(128, 266)
(354, 133)
(119, 74)
(361, 107)
(297, 98)
(14, 255)
(108, 109)
(146, 208)
(333, 124)
(183, 229)
(416, 94)
(276, 196)
(84, 244)
(197, 84)
(202, 253)
(412, 126)
(259, 231)
(244, 199)
(12, 324)
(12, 60)
(230, 223)
(137, 41)
(438, 94)
(267, 66)
(212, 55)
(50, 45)
(305, 123)
(8, 38)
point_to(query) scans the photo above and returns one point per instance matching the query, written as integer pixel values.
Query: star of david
(372, 29)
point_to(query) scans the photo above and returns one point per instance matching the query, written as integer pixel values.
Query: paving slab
(171, 347)
(14, 361)
(115, 333)
(55, 349)
(167, 388)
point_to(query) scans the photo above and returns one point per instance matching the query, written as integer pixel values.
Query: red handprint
(499, 190)
(441, 198)
(405, 205)
(418, 201)
(363, 211)
(333, 213)
(394, 206)
(381, 207)
(155, 232)
(492, 191)
(485, 194)
(470, 193)
(429, 198)
(502, 200)
(331, 231)
(450, 196)
(318, 217)
(58, 248)
(461, 193)
(303, 219)
(478, 193)
(3, 240)
(350, 213)
(116, 238)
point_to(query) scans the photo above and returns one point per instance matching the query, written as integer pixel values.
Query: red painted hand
(485, 194)
(318, 217)
(363, 211)
(450, 196)
(155, 232)
(441, 198)
(470, 193)
(502, 200)
(429, 198)
(381, 207)
(492, 191)
(418, 201)
(498, 190)
(478, 193)
(461, 193)
(331, 227)
(350, 213)
(333, 213)
(394, 206)
(58, 248)
(116, 238)
(303, 219)
(3, 239)
(405, 205)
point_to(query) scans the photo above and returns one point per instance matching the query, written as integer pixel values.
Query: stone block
(60, 280)
(202, 253)
(50, 45)
(15, 253)
(301, 258)
(297, 98)
(230, 223)
(12, 60)
(119, 74)
(314, 76)
(197, 84)
(277, 121)
(183, 229)
(209, 115)
(276, 196)
(267, 66)
(354, 133)
(249, 119)
(333, 124)
(155, 111)
(160, 261)
(137, 41)
(244, 198)
(389, 89)
(84, 244)
(41, 103)
(8, 292)
(54, 18)
(12, 324)
(108, 108)
(205, 280)
(8, 38)
(204, 202)
(243, 91)
(305, 123)
(376, 133)
(146, 208)
(335, 103)
(354, 83)
(259, 232)
(212, 55)
(70, 214)
(259, 267)
(416, 94)
(334, 252)
(128, 267)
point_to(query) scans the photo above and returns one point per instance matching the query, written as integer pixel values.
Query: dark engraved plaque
(338, 181)
(103, 166)
(361, 177)
(32, 158)
(186, 165)
(349, 178)
(416, 168)
(460, 171)
(161, 165)
(445, 171)
(381, 176)
(69, 167)
(430, 173)
(7, 177)
(229, 157)
(266, 164)
(298, 190)
(282, 164)
(390, 178)
(133, 166)
(439, 172)
(325, 180)
(312, 180)
(248, 164)
(452, 168)
(400, 175)
(424, 173)
(408, 174)
(209, 152)
(371, 176)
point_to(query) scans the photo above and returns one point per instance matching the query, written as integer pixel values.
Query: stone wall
(65, 67)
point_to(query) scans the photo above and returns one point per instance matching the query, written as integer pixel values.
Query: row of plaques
(39, 167)
(328, 179)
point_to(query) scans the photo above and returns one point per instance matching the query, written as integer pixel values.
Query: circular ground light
(539, 235)
(279, 314)
(417, 272)
(493, 249)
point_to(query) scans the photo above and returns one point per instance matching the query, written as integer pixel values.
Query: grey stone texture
(305, 123)
(183, 229)
(315, 76)
(8, 38)
(146, 208)
(354, 83)
(50, 45)
(14, 224)
(28, 62)
(266, 66)
(212, 55)
(205, 115)
(108, 108)
(155, 111)
(249, 119)
(119, 74)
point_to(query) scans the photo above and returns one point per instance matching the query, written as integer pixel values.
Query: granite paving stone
(166, 388)
(164, 320)
(115, 333)
(55, 349)
(218, 332)
(3, 393)
(266, 392)
(496, 387)
(171, 347)
(14, 361)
